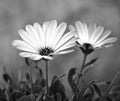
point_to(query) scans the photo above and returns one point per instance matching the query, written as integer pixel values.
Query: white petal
(91, 29)
(33, 35)
(103, 37)
(59, 33)
(86, 34)
(63, 52)
(45, 27)
(47, 57)
(23, 46)
(71, 28)
(26, 37)
(107, 41)
(50, 33)
(80, 42)
(80, 30)
(30, 55)
(40, 32)
(66, 38)
(96, 34)
(69, 44)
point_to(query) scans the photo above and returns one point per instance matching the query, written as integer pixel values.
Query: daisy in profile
(42, 42)
(91, 37)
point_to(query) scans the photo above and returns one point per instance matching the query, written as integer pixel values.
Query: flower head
(91, 37)
(42, 42)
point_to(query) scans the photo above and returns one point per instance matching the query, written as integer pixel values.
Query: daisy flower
(91, 37)
(42, 42)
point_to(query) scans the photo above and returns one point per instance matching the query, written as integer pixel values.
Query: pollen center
(46, 51)
(87, 46)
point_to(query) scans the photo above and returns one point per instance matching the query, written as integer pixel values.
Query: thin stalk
(31, 83)
(82, 67)
(46, 63)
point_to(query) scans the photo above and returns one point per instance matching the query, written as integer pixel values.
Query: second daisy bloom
(91, 37)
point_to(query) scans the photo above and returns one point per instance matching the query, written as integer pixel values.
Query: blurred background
(15, 14)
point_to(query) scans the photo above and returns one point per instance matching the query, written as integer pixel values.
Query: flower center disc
(46, 51)
(87, 48)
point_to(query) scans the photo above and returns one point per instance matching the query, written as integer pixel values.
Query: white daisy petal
(45, 27)
(80, 30)
(53, 33)
(66, 38)
(86, 35)
(50, 31)
(26, 37)
(59, 33)
(69, 44)
(40, 33)
(71, 28)
(96, 34)
(103, 36)
(31, 32)
(23, 46)
(107, 41)
(30, 55)
(64, 52)
(47, 57)
(91, 29)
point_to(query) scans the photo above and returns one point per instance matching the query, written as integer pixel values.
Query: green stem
(46, 62)
(31, 83)
(82, 67)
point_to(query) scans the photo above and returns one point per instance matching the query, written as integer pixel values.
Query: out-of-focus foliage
(27, 90)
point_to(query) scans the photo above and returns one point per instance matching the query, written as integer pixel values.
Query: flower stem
(31, 83)
(82, 67)
(46, 62)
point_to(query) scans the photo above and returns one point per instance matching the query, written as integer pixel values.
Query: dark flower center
(87, 48)
(46, 51)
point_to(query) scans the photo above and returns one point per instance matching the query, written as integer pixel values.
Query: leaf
(97, 89)
(103, 86)
(59, 97)
(37, 89)
(115, 89)
(91, 62)
(57, 87)
(88, 85)
(6, 77)
(117, 98)
(87, 69)
(28, 78)
(115, 82)
(2, 95)
(57, 78)
(49, 98)
(27, 98)
(88, 97)
(109, 99)
(16, 95)
(40, 72)
(73, 86)
(27, 61)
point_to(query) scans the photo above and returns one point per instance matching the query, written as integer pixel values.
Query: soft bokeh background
(15, 14)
